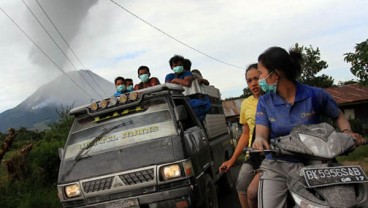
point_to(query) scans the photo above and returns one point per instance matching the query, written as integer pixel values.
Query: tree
(359, 62)
(311, 65)
(246, 93)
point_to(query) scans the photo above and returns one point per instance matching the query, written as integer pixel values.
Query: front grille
(97, 185)
(138, 177)
(121, 180)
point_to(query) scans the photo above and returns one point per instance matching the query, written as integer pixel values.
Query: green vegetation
(358, 154)
(312, 65)
(28, 178)
(359, 62)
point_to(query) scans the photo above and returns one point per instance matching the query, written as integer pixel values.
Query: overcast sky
(112, 42)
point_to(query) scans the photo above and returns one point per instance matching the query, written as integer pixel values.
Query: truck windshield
(150, 120)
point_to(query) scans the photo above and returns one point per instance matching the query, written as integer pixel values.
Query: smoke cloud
(67, 16)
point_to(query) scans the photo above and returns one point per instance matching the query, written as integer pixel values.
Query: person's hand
(359, 140)
(173, 81)
(260, 144)
(226, 166)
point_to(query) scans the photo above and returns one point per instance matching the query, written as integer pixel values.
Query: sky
(221, 38)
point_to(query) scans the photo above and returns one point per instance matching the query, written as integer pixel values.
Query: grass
(358, 157)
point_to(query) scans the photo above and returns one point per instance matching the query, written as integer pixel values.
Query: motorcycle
(322, 182)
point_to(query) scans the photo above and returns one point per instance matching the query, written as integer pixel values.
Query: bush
(45, 161)
(36, 186)
(41, 198)
(357, 126)
(27, 194)
(358, 154)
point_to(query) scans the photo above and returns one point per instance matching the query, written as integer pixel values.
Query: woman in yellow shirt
(247, 182)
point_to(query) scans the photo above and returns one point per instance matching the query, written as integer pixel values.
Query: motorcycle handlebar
(251, 150)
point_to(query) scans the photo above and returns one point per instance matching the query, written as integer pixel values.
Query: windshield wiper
(91, 144)
(86, 149)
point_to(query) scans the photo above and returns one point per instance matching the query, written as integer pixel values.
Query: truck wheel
(225, 183)
(210, 199)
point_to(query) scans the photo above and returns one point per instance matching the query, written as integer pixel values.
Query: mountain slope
(40, 108)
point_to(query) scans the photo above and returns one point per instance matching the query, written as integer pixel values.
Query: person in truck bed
(119, 86)
(198, 76)
(179, 76)
(144, 75)
(129, 84)
(187, 64)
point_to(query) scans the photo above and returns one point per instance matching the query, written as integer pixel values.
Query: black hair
(251, 66)
(187, 64)
(278, 58)
(176, 59)
(196, 71)
(143, 67)
(128, 79)
(118, 78)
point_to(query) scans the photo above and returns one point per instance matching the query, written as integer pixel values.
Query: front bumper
(163, 198)
(158, 199)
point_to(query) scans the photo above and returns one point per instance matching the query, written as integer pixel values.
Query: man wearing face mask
(144, 75)
(119, 86)
(179, 76)
(129, 84)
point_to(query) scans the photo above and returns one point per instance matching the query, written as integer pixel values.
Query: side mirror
(180, 113)
(61, 152)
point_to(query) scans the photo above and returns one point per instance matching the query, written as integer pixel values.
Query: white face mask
(178, 69)
(144, 77)
(267, 87)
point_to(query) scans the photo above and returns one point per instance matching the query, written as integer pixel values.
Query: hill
(40, 109)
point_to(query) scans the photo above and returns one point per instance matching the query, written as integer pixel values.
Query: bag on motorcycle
(316, 140)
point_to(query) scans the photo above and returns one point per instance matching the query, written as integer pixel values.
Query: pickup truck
(146, 148)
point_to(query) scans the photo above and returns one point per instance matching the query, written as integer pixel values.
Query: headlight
(94, 106)
(123, 98)
(72, 190)
(171, 171)
(113, 101)
(133, 96)
(103, 104)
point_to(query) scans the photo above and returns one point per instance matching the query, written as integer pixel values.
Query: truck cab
(146, 148)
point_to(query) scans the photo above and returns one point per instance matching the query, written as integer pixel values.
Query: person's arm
(187, 81)
(203, 81)
(344, 127)
(242, 143)
(330, 108)
(262, 141)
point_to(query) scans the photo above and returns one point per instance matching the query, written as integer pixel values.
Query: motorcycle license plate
(131, 203)
(325, 176)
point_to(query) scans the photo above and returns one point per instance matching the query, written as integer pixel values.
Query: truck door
(195, 139)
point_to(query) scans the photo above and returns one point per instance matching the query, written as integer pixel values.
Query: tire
(225, 183)
(210, 195)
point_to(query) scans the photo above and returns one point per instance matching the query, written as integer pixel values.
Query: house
(352, 100)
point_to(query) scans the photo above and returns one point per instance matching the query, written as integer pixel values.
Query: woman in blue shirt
(287, 104)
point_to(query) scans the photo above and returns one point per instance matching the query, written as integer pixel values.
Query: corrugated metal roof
(349, 94)
(232, 107)
(343, 95)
